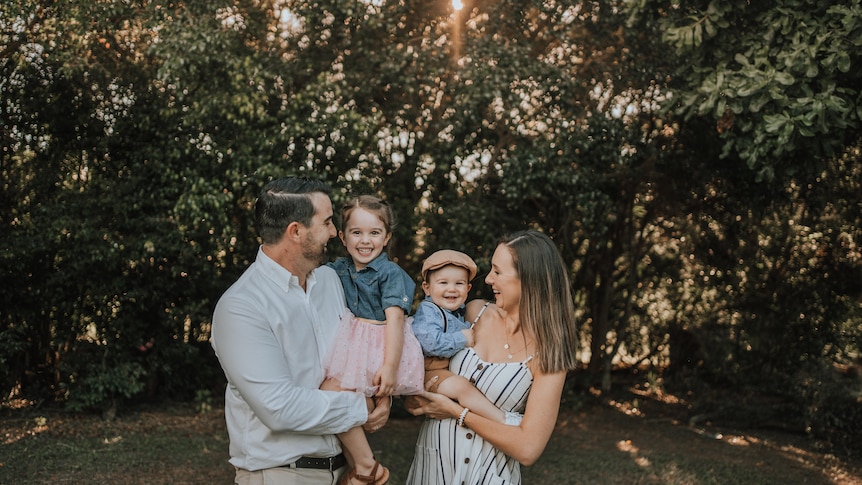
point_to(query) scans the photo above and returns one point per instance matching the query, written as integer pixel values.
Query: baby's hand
(468, 332)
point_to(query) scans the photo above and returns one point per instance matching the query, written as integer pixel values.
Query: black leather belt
(326, 463)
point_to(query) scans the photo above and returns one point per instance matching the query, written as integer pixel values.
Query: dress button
(480, 366)
(469, 436)
(472, 380)
(467, 460)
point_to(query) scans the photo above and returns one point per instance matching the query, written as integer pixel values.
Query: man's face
(320, 231)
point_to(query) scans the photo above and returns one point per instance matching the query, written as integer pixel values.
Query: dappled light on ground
(648, 438)
(619, 441)
(626, 446)
(26, 429)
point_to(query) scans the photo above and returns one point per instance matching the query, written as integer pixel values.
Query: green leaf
(844, 62)
(775, 123)
(784, 78)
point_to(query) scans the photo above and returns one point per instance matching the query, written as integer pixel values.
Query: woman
(525, 345)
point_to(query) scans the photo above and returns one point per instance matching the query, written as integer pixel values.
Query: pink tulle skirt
(358, 353)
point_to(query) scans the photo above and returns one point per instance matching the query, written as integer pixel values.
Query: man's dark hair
(284, 201)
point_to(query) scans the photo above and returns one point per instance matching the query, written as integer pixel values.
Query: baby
(441, 330)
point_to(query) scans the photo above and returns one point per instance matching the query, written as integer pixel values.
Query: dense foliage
(698, 165)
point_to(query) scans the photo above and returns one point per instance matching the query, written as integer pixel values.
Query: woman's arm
(526, 442)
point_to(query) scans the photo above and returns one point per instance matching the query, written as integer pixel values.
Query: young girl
(375, 351)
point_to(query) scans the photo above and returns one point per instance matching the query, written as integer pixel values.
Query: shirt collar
(377, 262)
(459, 312)
(278, 273)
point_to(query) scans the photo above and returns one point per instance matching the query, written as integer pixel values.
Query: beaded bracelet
(462, 416)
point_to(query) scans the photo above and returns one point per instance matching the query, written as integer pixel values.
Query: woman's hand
(433, 405)
(413, 404)
(424, 403)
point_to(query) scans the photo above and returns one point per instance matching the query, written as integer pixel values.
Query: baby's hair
(372, 204)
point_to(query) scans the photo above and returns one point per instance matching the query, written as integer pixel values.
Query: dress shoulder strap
(481, 311)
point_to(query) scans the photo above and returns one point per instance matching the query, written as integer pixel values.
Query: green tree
(778, 79)
(136, 136)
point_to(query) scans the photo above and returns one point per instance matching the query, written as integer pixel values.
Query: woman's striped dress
(447, 454)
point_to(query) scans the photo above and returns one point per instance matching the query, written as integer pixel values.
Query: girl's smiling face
(364, 236)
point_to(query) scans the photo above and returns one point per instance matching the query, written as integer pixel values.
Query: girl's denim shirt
(376, 287)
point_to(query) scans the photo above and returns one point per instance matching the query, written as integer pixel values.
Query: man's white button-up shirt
(271, 337)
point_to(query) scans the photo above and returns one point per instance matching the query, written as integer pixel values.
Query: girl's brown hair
(372, 204)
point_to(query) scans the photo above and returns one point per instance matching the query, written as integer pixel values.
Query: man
(271, 331)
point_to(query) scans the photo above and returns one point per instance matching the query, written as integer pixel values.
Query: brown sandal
(371, 479)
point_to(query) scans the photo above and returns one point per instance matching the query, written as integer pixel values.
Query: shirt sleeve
(396, 288)
(428, 327)
(258, 371)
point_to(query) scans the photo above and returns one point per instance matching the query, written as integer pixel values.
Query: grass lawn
(600, 443)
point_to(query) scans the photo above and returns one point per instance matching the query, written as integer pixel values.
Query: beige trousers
(288, 476)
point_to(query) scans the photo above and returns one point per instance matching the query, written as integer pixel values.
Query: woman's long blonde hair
(546, 307)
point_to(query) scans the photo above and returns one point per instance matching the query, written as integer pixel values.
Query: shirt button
(467, 460)
(480, 366)
(472, 380)
(469, 436)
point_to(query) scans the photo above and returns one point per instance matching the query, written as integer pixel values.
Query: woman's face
(504, 280)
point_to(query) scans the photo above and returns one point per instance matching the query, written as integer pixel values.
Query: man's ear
(294, 232)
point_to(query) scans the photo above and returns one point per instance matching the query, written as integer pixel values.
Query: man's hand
(330, 384)
(379, 414)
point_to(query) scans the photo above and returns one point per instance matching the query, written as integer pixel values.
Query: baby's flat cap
(445, 257)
